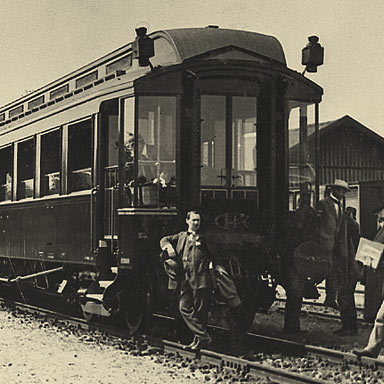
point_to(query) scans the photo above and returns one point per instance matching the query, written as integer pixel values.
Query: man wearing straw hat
(337, 245)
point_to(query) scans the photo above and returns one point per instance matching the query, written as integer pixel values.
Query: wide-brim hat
(340, 184)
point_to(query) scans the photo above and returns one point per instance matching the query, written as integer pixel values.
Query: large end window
(213, 171)
(244, 142)
(50, 163)
(6, 172)
(228, 141)
(80, 155)
(155, 144)
(25, 168)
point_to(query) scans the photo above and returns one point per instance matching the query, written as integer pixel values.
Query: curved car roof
(191, 42)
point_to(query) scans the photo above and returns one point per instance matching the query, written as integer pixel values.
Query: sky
(42, 40)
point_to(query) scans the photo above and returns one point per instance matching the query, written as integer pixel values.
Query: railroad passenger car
(98, 165)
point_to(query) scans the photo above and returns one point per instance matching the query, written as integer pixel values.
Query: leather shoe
(202, 343)
(346, 332)
(364, 352)
(331, 304)
(189, 346)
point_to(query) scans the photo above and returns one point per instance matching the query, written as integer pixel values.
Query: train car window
(301, 142)
(129, 151)
(156, 151)
(80, 155)
(222, 144)
(112, 139)
(50, 163)
(111, 146)
(25, 168)
(244, 154)
(213, 171)
(6, 171)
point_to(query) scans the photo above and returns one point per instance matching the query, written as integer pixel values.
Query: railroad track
(250, 367)
(317, 308)
(312, 308)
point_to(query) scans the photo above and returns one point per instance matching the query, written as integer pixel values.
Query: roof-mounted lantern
(143, 47)
(312, 55)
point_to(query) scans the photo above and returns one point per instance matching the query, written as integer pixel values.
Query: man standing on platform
(338, 246)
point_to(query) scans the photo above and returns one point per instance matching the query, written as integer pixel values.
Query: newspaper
(369, 252)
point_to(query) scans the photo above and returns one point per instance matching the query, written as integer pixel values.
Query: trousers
(345, 287)
(294, 288)
(194, 306)
(376, 338)
(330, 289)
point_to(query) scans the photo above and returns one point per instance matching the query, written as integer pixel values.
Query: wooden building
(349, 151)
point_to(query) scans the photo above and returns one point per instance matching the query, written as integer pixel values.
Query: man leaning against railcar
(189, 250)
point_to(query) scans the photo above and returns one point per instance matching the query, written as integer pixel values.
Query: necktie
(339, 208)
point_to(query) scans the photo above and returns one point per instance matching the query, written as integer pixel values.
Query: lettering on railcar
(232, 221)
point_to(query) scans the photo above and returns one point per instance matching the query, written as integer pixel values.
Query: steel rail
(330, 355)
(311, 350)
(243, 366)
(212, 358)
(325, 315)
(330, 316)
(314, 303)
(220, 360)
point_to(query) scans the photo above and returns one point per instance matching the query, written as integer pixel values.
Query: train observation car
(97, 166)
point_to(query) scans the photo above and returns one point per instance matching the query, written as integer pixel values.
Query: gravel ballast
(34, 351)
(39, 349)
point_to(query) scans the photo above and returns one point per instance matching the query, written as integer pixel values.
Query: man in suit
(353, 226)
(301, 229)
(376, 338)
(189, 250)
(337, 244)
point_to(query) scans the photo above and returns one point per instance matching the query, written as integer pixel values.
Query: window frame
(67, 187)
(16, 195)
(229, 152)
(11, 148)
(39, 157)
(135, 198)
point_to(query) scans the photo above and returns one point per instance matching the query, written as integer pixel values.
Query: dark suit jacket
(329, 225)
(198, 275)
(336, 240)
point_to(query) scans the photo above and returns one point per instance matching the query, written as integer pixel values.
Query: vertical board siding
(349, 155)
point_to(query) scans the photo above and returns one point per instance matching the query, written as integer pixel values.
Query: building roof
(327, 127)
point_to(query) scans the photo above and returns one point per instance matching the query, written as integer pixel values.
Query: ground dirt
(36, 352)
(317, 330)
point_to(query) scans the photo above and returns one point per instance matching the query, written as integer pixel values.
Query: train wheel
(137, 315)
(133, 322)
